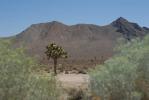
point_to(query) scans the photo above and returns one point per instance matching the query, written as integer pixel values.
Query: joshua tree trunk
(55, 66)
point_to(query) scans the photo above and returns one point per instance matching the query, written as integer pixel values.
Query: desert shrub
(18, 80)
(115, 80)
(42, 87)
(124, 76)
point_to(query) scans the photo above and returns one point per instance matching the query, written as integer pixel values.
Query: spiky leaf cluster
(54, 51)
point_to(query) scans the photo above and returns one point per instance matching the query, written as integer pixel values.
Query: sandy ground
(73, 80)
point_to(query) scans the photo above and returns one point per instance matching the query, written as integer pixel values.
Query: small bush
(115, 80)
(42, 87)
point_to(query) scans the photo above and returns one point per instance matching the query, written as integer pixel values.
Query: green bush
(18, 80)
(42, 87)
(115, 79)
(126, 75)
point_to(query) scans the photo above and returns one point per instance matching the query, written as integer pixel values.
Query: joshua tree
(55, 52)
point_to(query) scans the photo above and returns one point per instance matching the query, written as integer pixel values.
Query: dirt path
(73, 80)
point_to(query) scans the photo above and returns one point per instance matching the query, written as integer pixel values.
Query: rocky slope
(83, 42)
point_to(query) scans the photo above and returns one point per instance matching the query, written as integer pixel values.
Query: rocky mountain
(128, 29)
(81, 41)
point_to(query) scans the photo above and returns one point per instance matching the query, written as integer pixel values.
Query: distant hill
(81, 41)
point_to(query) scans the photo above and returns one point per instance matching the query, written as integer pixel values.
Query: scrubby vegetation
(19, 79)
(126, 75)
(123, 77)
